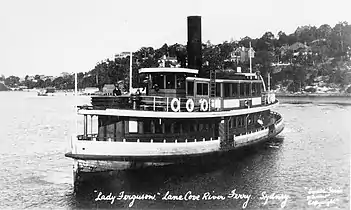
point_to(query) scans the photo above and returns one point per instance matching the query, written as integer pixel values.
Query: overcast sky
(49, 37)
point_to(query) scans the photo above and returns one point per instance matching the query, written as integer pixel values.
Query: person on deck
(117, 91)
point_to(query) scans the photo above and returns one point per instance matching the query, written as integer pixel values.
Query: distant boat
(47, 91)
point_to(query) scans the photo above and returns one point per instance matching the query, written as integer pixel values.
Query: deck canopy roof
(168, 70)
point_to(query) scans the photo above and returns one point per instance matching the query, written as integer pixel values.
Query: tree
(12, 81)
(283, 39)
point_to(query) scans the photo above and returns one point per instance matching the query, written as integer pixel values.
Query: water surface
(312, 153)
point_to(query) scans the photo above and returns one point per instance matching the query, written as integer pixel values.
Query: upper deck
(179, 90)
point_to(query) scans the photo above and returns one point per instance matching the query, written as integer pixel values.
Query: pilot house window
(190, 88)
(170, 81)
(202, 89)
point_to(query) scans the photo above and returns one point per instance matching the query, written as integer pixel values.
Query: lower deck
(126, 129)
(146, 139)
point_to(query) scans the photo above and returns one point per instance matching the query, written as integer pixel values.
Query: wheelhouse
(167, 81)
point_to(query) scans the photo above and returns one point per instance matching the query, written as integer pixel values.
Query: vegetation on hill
(311, 56)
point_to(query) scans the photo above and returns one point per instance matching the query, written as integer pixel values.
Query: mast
(130, 72)
(269, 81)
(76, 101)
(250, 58)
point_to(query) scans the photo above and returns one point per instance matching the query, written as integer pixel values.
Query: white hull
(99, 156)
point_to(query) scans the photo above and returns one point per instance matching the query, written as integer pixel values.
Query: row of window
(242, 89)
(230, 89)
(166, 127)
(241, 120)
(169, 81)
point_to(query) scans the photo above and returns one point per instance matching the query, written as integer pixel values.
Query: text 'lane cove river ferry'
(181, 116)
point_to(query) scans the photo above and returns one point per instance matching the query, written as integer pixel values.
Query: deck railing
(159, 103)
(95, 137)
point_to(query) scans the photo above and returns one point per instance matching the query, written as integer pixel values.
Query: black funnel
(194, 45)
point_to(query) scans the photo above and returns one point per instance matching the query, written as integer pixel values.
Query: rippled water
(313, 152)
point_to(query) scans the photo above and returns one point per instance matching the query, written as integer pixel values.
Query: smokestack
(194, 45)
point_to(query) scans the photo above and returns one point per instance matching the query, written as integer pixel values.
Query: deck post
(167, 104)
(85, 125)
(154, 103)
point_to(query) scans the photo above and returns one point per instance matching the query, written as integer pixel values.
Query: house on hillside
(241, 55)
(299, 48)
(167, 61)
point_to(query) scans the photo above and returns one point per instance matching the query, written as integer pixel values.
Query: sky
(49, 37)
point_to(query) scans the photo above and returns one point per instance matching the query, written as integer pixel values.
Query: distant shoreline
(297, 95)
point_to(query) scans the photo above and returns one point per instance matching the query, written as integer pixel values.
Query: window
(240, 121)
(157, 79)
(176, 127)
(199, 89)
(218, 89)
(158, 126)
(235, 91)
(180, 81)
(202, 89)
(170, 79)
(190, 88)
(254, 89)
(250, 119)
(147, 126)
(168, 126)
(226, 90)
(205, 89)
(242, 90)
(258, 89)
(247, 89)
(133, 126)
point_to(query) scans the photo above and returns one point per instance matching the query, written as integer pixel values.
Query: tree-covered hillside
(307, 56)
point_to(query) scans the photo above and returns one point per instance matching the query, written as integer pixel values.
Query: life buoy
(190, 105)
(175, 100)
(204, 105)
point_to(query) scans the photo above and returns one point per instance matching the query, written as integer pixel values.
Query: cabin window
(202, 89)
(170, 81)
(242, 90)
(240, 121)
(250, 119)
(254, 89)
(168, 126)
(235, 90)
(234, 122)
(180, 81)
(248, 89)
(176, 127)
(205, 89)
(259, 88)
(226, 90)
(133, 126)
(147, 126)
(218, 89)
(190, 88)
(158, 80)
(158, 126)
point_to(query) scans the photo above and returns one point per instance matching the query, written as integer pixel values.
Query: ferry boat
(181, 115)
